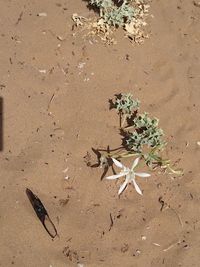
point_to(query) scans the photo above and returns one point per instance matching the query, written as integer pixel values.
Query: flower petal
(137, 187)
(142, 174)
(122, 187)
(117, 163)
(112, 177)
(135, 163)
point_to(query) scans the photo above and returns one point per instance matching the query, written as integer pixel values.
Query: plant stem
(124, 120)
(121, 154)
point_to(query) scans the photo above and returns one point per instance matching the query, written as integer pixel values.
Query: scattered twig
(161, 201)
(19, 18)
(179, 217)
(171, 246)
(51, 99)
(156, 244)
(111, 222)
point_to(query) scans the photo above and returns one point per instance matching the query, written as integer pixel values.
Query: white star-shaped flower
(129, 174)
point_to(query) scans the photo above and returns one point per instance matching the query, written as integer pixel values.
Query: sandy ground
(52, 118)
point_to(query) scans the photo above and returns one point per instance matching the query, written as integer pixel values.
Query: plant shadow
(105, 165)
(91, 7)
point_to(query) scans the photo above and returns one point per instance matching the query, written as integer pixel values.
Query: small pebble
(43, 14)
(138, 251)
(196, 3)
(43, 71)
(81, 65)
(156, 244)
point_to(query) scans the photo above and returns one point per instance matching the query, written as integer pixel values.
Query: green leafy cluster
(114, 15)
(141, 137)
(125, 104)
(141, 133)
(146, 132)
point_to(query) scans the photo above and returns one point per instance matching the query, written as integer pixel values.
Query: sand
(56, 87)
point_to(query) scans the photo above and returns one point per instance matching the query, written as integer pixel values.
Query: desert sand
(56, 85)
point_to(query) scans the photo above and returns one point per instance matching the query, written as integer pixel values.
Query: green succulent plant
(113, 14)
(146, 132)
(125, 104)
(142, 137)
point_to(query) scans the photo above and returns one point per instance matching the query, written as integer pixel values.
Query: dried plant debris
(72, 255)
(127, 14)
(79, 20)
(94, 28)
